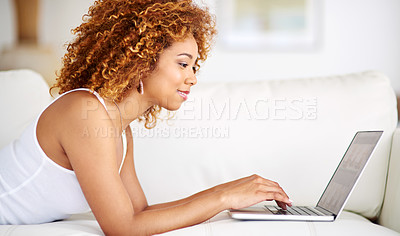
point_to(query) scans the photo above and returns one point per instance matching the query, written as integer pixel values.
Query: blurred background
(258, 39)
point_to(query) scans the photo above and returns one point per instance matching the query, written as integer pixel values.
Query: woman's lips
(183, 94)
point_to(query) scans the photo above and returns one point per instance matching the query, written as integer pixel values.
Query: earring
(140, 89)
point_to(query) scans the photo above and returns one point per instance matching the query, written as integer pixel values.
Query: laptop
(336, 193)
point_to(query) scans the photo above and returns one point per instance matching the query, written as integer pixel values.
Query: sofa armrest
(390, 215)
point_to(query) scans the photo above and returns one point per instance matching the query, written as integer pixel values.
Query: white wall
(356, 35)
(58, 18)
(7, 23)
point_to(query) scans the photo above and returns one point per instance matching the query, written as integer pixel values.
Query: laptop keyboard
(293, 211)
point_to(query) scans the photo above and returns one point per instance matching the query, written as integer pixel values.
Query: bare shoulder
(89, 142)
(85, 132)
(80, 113)
(73, 111)
(80, 105)
(75, 116)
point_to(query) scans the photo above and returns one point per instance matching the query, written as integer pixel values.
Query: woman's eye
(184, 65)
(194, 69)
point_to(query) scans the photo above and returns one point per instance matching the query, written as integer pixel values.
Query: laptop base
(263, 213)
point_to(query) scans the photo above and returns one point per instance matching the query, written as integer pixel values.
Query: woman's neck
(130, 108)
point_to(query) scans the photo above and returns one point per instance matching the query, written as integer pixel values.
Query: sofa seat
(347, 224)
(81, 224)
(85, 224)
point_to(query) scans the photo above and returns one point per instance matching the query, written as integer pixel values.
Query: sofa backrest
(23, 94)
(292, 131)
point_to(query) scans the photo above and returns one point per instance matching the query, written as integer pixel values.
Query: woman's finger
(276, 192)
(282, 205)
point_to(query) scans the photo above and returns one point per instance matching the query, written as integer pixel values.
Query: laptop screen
(348, 171)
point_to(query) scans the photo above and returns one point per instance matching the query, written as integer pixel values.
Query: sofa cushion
(24, 93)
(390, 215)
(292, 131)
(82, 224)
(347, 224)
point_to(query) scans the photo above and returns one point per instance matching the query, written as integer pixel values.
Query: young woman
(130, 59)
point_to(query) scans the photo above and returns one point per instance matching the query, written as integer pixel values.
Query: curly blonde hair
(120, 41)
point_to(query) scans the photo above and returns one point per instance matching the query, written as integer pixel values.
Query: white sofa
(292, 131)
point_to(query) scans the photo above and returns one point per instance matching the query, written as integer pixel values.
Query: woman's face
(169, 85)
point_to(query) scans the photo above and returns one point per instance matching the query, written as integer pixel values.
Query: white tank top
(33, 188)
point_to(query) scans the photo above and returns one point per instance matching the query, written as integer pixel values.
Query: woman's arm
(180, 201)
(116, 208)
(233, 195)
(135, 191)
(129, 177)
(191, 210)
(222, 187)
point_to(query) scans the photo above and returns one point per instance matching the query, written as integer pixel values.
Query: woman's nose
(192, 79)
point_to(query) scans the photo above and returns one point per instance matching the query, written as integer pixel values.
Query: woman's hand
(252, 190)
